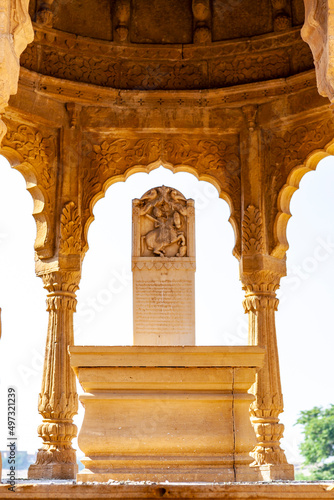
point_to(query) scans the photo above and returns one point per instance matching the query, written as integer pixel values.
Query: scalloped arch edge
(286, 193)
(42, 246)
(175, 169)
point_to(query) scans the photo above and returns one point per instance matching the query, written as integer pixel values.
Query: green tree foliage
(318, 445)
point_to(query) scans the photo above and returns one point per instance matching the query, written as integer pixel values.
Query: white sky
(304, 321)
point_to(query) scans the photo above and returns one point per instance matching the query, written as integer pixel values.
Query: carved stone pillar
(58, 401)
(261, 303)
(15, 33)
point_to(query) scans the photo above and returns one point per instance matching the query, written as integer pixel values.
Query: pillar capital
(61, 281)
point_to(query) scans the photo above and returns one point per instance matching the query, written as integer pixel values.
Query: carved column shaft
(261, 303)
(58, 401)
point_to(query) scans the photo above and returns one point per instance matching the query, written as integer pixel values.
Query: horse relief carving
(163, 212)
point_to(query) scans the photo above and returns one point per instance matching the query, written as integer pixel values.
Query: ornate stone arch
(34, 155)
(39, 213)
(214, 161)
(288, 150)
(288, 190)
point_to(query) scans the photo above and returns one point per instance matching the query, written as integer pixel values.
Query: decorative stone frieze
(168, 67)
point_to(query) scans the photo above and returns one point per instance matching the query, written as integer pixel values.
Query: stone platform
(167, 413)
(42, 490)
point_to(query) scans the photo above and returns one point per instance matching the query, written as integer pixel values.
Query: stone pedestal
(167, 413)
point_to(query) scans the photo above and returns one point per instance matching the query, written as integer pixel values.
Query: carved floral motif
(31, 144)
(70, 230)
(252, 231)
(124, 152)
(212, 156)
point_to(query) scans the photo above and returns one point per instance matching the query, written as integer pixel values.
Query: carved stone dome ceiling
(168, 44)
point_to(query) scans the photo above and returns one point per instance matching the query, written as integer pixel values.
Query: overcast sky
(305, 328)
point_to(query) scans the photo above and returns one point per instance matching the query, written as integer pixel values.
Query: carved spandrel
(162, 215)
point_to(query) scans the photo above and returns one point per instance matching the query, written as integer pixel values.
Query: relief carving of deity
(166, 208)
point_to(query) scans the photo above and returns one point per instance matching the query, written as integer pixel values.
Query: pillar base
(207, 470)
(53, 471)
(276, 472)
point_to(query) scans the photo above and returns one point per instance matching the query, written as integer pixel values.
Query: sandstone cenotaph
(165, 408)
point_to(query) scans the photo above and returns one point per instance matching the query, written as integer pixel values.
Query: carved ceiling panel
(241, 19)
(171, 22)
(161, 22)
